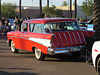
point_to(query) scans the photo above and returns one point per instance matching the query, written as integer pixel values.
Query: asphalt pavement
(25, 63)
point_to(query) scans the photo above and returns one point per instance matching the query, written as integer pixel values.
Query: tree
(96, 19)
(87, 7)
(52, 11)
(8, 10)
(74, 4)
(64, 3)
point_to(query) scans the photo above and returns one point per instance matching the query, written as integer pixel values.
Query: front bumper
(52, 51)
(7, 42)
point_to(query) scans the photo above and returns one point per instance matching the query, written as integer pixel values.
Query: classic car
(90, 27)
(96, 56)
(48, 36)
(83, 25)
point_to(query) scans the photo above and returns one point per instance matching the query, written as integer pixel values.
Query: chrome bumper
(52, 51)
(7, 42)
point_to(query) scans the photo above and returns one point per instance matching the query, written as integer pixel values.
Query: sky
(36, 2)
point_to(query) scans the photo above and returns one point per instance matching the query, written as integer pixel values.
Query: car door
(23, 36)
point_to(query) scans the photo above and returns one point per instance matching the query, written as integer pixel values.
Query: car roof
(49, 20)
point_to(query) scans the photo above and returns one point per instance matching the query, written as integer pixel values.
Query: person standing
(14, 26)
(28, 18)
(18, 23)
(3, 20)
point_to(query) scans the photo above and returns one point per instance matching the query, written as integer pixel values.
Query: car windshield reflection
(60, 26)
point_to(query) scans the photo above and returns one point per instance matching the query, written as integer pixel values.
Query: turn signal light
(96, 50)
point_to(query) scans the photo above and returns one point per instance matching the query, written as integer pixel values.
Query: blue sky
(36, 2)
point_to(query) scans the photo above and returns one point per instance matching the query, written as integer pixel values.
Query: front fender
(41, 47)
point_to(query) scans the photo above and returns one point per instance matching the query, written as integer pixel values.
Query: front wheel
(39, 55)
(13, 49)
(98, 66)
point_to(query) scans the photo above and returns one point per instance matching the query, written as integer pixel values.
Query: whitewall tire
(39, 55)
(13, 49)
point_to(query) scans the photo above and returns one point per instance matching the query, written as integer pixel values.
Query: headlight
(45, 42)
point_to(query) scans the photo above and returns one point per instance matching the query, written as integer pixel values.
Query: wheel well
(96, 61)
(33, 49)
(10, 42)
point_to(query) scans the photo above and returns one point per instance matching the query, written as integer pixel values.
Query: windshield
(60, 26)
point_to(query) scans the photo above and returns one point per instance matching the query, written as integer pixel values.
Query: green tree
(52, 11)
(8, 10)
(74, 4)
(64, 3)
(87, 7)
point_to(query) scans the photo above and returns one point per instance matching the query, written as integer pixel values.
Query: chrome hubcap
(37, 53)
(12, 46)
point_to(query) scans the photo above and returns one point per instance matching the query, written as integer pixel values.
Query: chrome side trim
(65, 38)
(61, 38)
(75, 37)
(70, 37)
(17, 37)
(79, 37)
(83, 36)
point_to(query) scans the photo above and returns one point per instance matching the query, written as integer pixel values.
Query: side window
(31, 27)
(24, 27)
(37, 28)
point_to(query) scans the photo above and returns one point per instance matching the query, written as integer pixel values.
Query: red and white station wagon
(48, 36)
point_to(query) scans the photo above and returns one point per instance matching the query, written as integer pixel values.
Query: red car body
(49, 43)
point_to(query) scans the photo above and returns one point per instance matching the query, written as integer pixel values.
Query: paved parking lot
(25, 63)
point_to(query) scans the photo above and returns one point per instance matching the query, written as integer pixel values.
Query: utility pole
(86, 6)
(19, 8)
(40, 8)
(47, 2)
(75, 9)
(0, 9)
(70, 8)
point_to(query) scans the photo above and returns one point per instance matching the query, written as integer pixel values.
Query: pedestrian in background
(18, 23)
(1, 27)
(28, 18)
(14, 26)
(6, 29)
(3, 20)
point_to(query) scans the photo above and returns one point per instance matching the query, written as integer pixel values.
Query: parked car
(90, 27)
(48, 36)
(83, 25)
(96, 56)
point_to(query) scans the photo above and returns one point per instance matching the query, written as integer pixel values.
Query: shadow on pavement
(4, 48)
(17, 68)
(66, 58)
(19, 73)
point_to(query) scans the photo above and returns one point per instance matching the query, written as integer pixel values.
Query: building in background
(34, 12)
(66, 11)
(29, 11)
